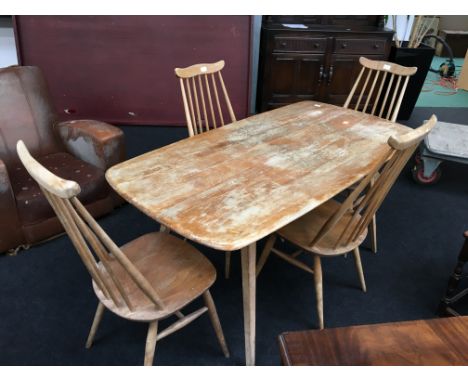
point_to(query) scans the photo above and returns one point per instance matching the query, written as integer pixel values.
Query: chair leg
(373, 234)
(227, 264)
(318, 289)
(357, 260)
(151, 343)
(265, 253)
(215, 321)
(97, 319)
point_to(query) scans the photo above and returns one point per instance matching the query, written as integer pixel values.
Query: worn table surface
(232, 186)
(441, 341)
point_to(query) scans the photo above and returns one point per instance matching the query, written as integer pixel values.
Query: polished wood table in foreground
(232, 186)
(442, 341)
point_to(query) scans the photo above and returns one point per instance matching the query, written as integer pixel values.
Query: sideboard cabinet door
(315, 62)
(294, 77)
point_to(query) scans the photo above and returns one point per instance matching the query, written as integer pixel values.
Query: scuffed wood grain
(232, 186)
(441, 342)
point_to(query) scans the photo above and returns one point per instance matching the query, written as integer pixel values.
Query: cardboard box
(462, 82)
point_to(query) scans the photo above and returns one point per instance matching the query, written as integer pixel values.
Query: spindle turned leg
(151, 343)
(373, 225)
(215, 321)
(248, 257)
(227, 264)
(318, 289)
(373, 234)
(97, 319)
(265, 253)
(357, 260)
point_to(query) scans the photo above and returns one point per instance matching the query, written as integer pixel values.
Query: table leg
(248, 258)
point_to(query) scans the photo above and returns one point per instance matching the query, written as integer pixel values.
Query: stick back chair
(336, 228)
(201, 85)
(379, 88)
(147, 279)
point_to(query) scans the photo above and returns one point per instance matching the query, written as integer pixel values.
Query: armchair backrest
(26, 112)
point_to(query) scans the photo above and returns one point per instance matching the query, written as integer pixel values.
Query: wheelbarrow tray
(446, 141)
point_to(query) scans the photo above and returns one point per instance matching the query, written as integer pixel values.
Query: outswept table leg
(248, 257)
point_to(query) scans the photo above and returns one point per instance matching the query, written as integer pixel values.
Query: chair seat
(176, 270)
(31, 203)
(303, 230)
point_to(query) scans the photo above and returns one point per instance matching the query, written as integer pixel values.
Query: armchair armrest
(97, 143)
(10, 226)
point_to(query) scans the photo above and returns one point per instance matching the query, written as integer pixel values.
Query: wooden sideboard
(319, 62)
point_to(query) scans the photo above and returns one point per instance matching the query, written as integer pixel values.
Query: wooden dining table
(230, 187)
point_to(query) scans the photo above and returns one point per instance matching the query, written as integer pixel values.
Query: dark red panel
(120, 69)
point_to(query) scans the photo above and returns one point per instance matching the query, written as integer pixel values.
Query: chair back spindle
(362, 203)
(95, 248)
(201, 85)
(384, 102)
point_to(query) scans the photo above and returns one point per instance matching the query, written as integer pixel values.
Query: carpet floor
(47, 303)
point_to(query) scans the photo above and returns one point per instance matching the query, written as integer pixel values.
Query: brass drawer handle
(344, 45)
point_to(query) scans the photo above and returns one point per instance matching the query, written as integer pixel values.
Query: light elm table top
(232, 186)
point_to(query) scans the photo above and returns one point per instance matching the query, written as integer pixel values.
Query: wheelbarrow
(446, 142)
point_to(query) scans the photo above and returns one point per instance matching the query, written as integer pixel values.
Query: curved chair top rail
(402, 142)
(388, 67)
(51, 182)
(197, 69)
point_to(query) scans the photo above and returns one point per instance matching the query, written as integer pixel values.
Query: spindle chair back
(201, 86)
(380, 88)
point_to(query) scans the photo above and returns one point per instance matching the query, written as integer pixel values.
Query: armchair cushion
(33, 207)
(97, 143)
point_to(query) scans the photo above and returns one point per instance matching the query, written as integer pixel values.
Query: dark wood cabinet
(319, 62)
(294, 77)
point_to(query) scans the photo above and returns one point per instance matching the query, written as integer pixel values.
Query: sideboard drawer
(361, 46)
(299, 44)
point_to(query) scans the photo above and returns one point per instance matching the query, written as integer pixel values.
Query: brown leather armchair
(78, 150)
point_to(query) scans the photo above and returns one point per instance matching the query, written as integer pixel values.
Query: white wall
(404, 23)
(7, 43)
